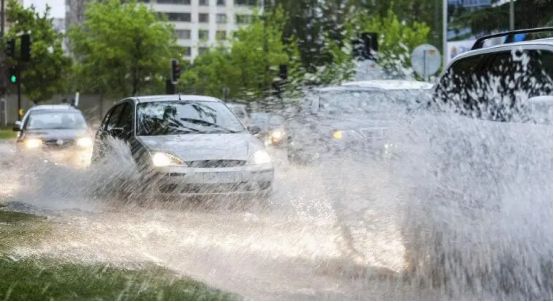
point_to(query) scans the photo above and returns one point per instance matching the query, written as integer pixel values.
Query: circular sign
(426, 60)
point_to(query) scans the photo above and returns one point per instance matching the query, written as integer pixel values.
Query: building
(201, 24)
(57, 11)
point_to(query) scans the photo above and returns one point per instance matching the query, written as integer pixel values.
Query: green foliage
(44, 75)
(339, 69)
(249, 67)
(397, 39)
(122, 48)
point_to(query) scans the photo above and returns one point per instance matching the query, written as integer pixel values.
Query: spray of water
(461, 209)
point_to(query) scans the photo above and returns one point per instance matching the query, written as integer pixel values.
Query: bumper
(214, 181)
(72, 157)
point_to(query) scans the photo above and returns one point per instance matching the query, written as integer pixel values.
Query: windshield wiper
(209, 124)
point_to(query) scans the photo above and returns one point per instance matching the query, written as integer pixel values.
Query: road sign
(426, 60)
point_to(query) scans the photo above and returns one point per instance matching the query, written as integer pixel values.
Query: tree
(397, 40)
(44, 75)
(122, 48)
(249, 68)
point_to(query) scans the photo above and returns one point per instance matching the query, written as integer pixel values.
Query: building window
(203, 35)
(243, 19)
(221, 18)
(187, 51)
(202, 50)
(220, 2)
(246, 2)
(178, 17)
(185, 2)
(203, 18)
(183, 34)
(204, 2)
(220, 35)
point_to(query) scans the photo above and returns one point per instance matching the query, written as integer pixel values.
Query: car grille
(373, 134)
(216, 163)
(206, 188)
(58, 143)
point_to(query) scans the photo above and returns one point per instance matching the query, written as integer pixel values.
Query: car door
(106, 132)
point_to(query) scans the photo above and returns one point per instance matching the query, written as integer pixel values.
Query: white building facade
(201, 24)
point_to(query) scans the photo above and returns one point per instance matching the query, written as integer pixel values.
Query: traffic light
(283, 71)
(12, 75)
(175, 71)
(365, 47)
(25, 47)
(10, 48)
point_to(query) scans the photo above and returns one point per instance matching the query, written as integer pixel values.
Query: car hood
(191, 147)
(323, 125)
(51, 134)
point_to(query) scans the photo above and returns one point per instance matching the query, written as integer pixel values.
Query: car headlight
(84, 142)
(260, 157)
(337, 134)
(33, 143)
(277, 134)
(161, 159)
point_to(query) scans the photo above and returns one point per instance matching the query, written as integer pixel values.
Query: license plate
(223, 177)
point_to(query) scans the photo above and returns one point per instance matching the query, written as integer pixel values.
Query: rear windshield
(182, 117)
(55, 120)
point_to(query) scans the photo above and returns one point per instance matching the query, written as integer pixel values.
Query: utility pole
(512, 15)
(3, 81)
(2, 14)
(444, 34)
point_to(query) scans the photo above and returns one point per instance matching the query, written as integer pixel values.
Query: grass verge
(7, 133)
(55, 279)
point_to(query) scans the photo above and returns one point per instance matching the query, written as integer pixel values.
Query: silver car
(187, 144)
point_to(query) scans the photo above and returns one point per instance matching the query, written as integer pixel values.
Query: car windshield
(185, 117)
(265, 120)
(348, 102)
(55, 120)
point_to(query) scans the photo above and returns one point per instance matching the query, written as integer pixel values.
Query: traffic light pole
(18, 94)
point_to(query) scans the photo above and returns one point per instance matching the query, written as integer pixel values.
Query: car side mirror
(254, 130)
(17, 126)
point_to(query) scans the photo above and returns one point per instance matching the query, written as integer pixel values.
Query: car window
(495, 85)
(454, 87)
(114, 117)
(521, 71)
(184, 117)
(126, 117)
(47, 119)
(355, 102)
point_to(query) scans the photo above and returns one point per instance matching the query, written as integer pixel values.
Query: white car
(506, 82)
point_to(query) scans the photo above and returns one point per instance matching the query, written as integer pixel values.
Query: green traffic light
(13, 79)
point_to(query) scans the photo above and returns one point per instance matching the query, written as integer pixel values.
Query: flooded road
(413, 227)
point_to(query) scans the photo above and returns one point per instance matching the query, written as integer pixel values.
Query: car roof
(238, 105)
(175, 97)
(503, 47)
(58, 107)
(378, 85)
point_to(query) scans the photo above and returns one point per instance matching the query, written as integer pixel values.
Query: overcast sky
(57, 7)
